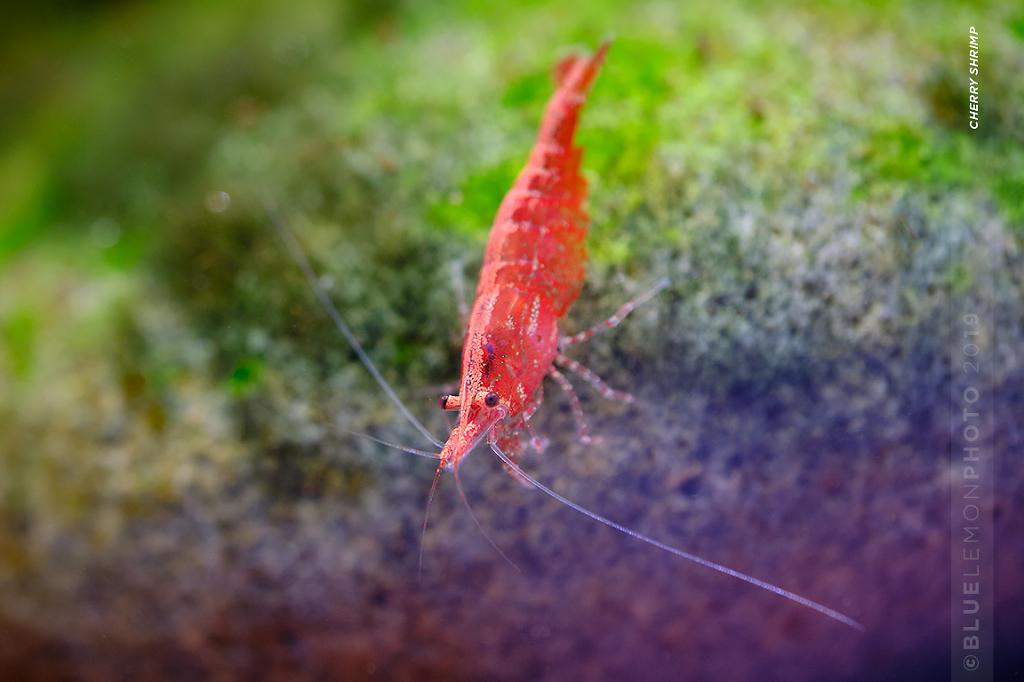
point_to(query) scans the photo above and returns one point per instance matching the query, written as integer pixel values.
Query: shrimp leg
(459, 289)
(577, 410)
(599, 384)
(538, 443)
(616, 319)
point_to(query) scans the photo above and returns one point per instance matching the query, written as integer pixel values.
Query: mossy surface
(178, 494)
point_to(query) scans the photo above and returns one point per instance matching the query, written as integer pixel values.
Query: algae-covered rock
(180, 492)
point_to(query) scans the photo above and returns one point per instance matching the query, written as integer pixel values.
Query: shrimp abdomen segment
(547, 259)
(538, 242)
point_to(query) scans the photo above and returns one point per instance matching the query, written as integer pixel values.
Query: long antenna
(299, 255)
(469, 508)
(412, 451)
(426, 519)
(775, 589)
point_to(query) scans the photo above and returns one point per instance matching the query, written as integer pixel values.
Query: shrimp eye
(491, 399)
(443, 401)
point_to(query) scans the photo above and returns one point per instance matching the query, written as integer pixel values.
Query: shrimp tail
(573, 75)
(577, 71)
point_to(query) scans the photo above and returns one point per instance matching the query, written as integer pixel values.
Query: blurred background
(178, 498)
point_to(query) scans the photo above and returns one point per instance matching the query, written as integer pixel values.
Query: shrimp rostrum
(533, 270)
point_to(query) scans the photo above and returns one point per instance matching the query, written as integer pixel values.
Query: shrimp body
(533, 270)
